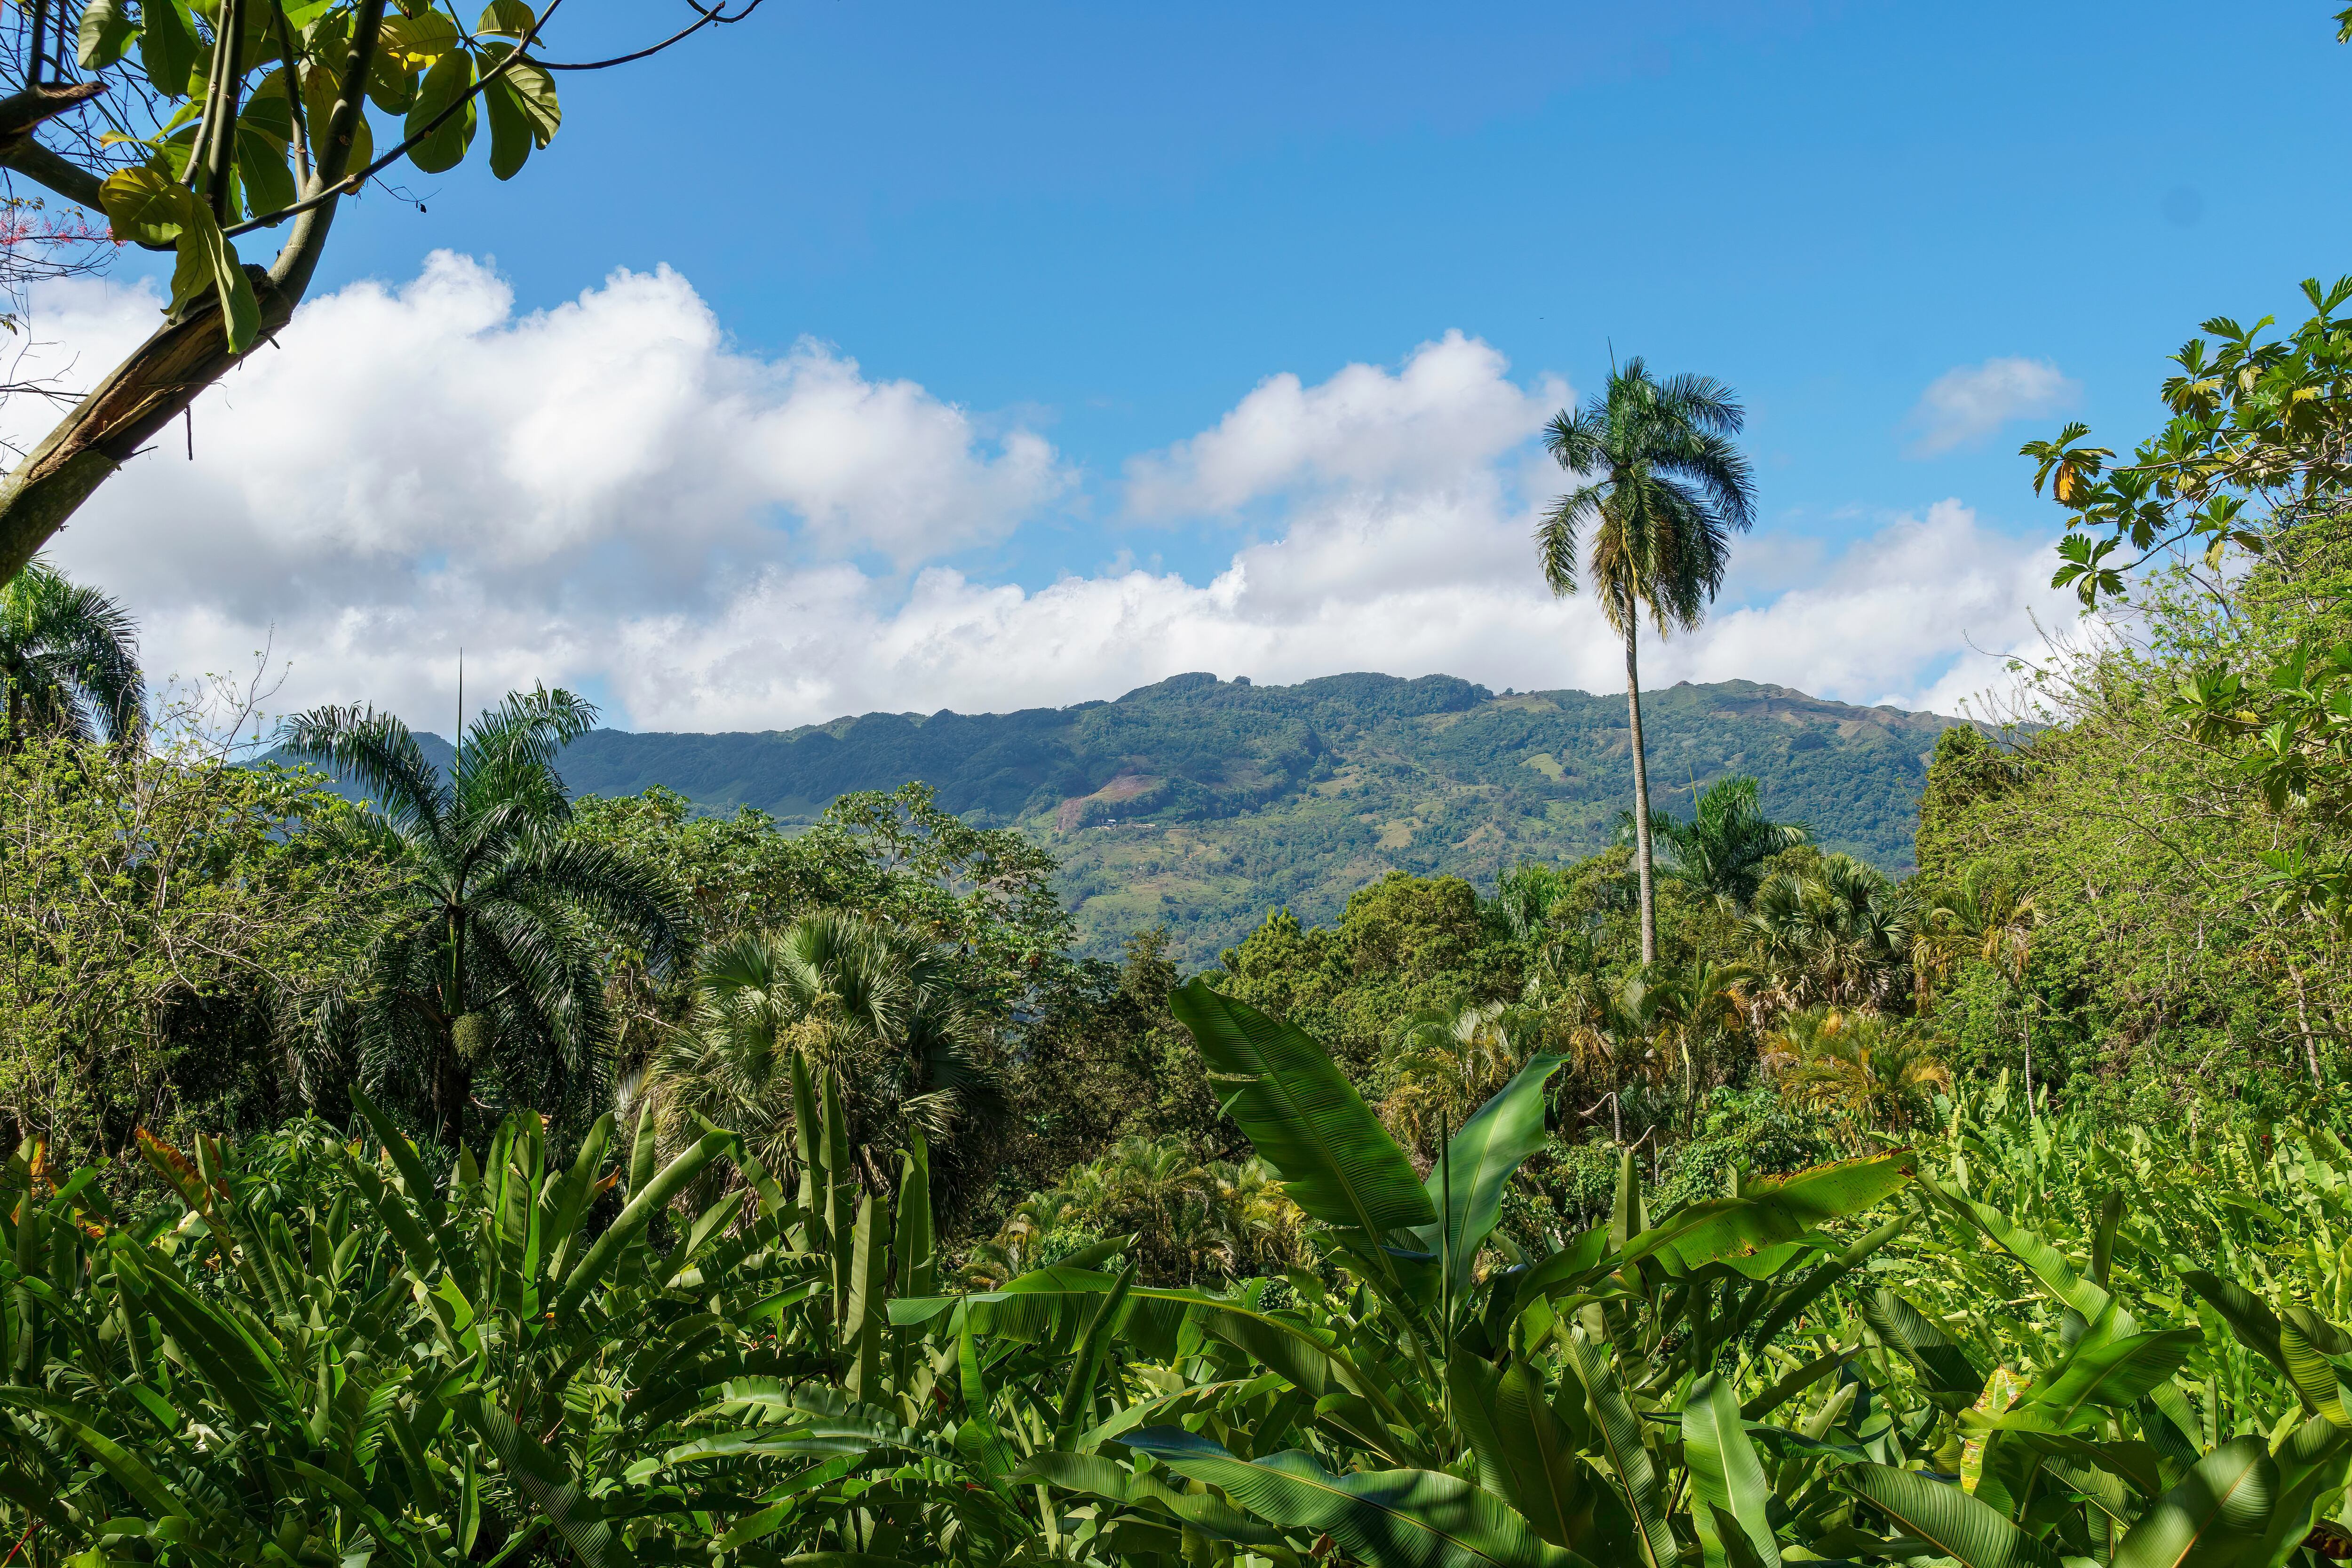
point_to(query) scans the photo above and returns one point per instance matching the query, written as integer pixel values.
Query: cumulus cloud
(1969, 402)
(1450, 410)
(610, 495)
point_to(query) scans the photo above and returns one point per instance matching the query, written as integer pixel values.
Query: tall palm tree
(1664, 489)
(70, 656)
(487, 973)
(1721, 850)
(875, 1005)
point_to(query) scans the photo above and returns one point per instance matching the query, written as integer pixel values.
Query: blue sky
(1104, 226)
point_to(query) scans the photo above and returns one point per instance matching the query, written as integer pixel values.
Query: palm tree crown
(1664, 489)
(70, 656)
(1721, 850)
(872, 1004)
(486, 973)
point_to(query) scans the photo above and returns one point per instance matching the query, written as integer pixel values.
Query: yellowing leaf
(145, 207)
(413, 42)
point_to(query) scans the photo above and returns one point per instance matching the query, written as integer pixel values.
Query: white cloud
(1969, 402)
(1450, 409)
(610, 495)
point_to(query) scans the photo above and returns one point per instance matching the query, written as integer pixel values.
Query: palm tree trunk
(1641, 793)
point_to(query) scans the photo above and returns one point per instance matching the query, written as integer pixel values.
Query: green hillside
(1202, 803)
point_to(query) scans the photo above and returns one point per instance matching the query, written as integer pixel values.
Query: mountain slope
(1204, 803)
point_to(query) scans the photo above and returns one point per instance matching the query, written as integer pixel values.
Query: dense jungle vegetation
(1197, 805)
(487, 1174)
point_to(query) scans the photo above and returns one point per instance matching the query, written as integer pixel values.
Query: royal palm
(70, 656)
(486, 973)
(1664, 489)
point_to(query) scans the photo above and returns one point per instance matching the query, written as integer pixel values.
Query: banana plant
(530, 1356)
(1566, 1402)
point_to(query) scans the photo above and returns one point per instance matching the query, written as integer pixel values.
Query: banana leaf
(1306, 1120)
(1398, 1519)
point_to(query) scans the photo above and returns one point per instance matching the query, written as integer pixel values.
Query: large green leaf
(1524, 1455)
(1730, 1495)
(1957, 1524)
(2112, 1372)
(1102, 1477)
(1336, 1159)
(1479, 1159)
(447, 89)
(1396, 1518)
(2048, 1266)
(1631, 1469)
(168, 47)
(2249, 1316)
(1077, 1411)
(552, 1490)
(633, 1218)
(1945, 1369)
(2218, 1515)
(1771, 1212)
(863, 1325)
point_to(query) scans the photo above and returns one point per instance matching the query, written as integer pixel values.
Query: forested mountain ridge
(1202, 803)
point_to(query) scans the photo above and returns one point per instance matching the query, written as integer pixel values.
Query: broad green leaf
(2218, 1515)
(168, 49)
(510, 133)
(417, 42)
(1956, 1524)
(1480, 1158)
(1398, 1519)
(129, 1470)
(2249, 1316)
(1772, 1211)
(261, 170)
(402, 1155)
(1098, 1477)
(1730, 1492)
(1077, 1411)
(1633, 1472)
(450, 80)
(864, 1326)
(319, 93)
(542, 1478)
(107, 29)
(146, 208)
(2112, 1374)
(2048, 1266)
(1306, 1120)
(915, 1250)
(633, 1218)
(2308, 1368)
(507, 19)
(1524, 1455)
(1945, 1369)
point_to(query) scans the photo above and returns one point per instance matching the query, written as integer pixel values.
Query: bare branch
(715, 15)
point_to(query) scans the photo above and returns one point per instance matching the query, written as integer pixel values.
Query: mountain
(1202, 803)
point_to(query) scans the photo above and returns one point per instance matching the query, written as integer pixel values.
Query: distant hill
(1203, 804)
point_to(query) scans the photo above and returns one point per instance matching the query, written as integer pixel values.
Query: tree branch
(716, 15)
(22, 113)
(350, 183)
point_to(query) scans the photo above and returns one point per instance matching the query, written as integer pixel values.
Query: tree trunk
(2303, 1017)
(1641, 795)
(163, 376)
